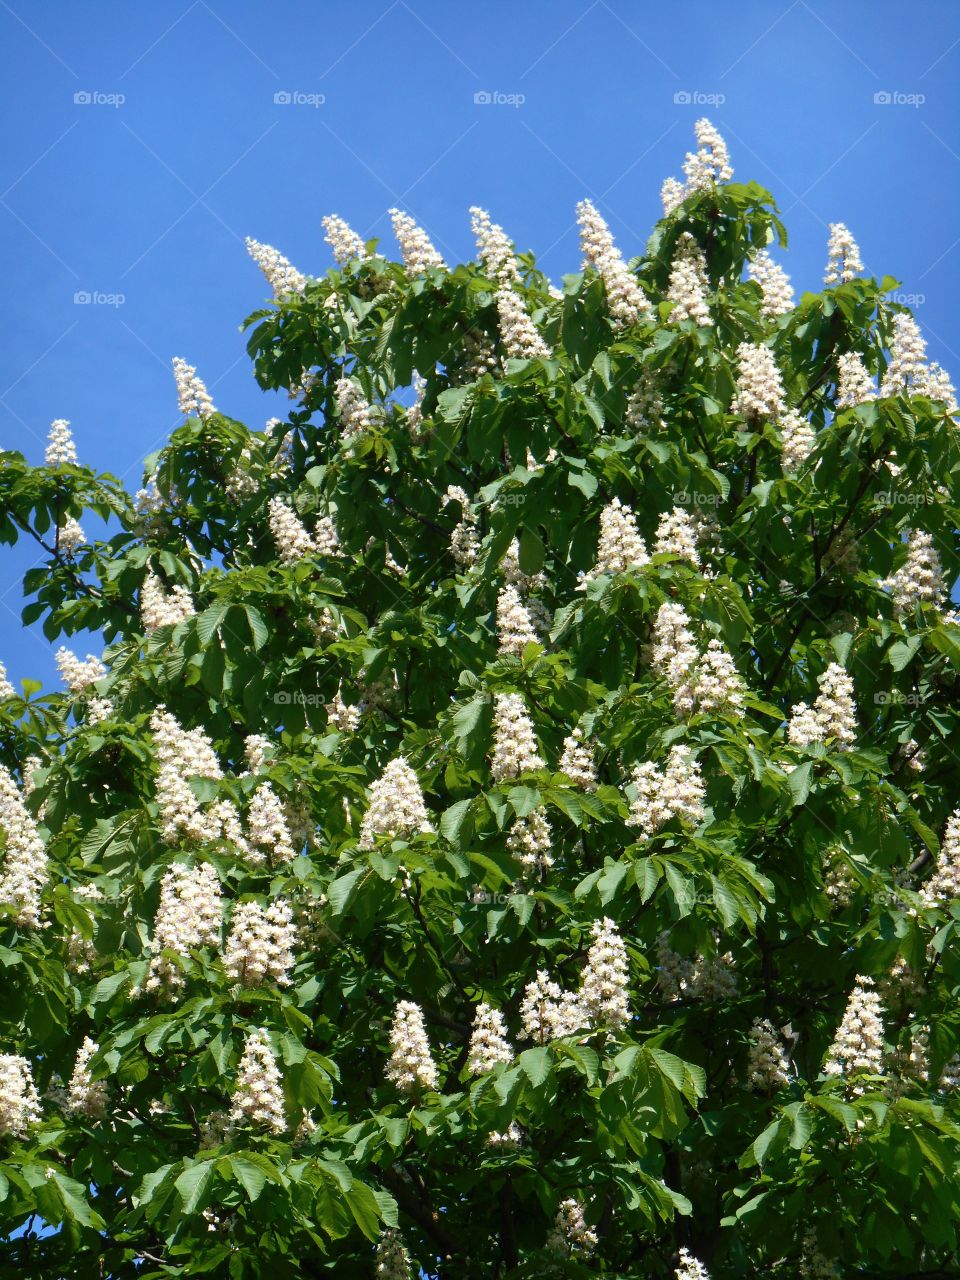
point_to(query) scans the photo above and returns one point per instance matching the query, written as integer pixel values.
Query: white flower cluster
(577, 761)
(411, 1065)
(530, 840)
(282, 277)
(774, 283)
(418, 253)
(183, 754)
(189, 916)
(415, 411)
(768, 1067)
(191, 393)
(854, 384)
(488, 1041)
(6, 688)
(691, 1268)
(465, 539)
(676, 791)
(677, 536)
(570, 1234)
(521, 340)
(919, 580)
(833, 714)
(19, 1100)
(494, 247)
(514, 627)
(391, 1260)
(61, 450)
(479, 357)
(547, 1012)
(86, 1096)
(627, 302)
(268, 831)
(258, 1098)
(710, 163)
(620, 547)
(81, 951)
(78, 675)
(508, 1140)
(689, 284)
(24, 859)
(160, 608)
(340, 717)
(944, 885)
(260, 944)
(843, 256)
(70, 536)
(605, 978)
(342, 239)
(515, 749)
(706, 977)
(356, 412)
(707, 682)
(292, 539)
(644, 409)
(760, 391)
(858, 1044)
(512, 573)
(814, 1264)
(797, 438)
(396, 806)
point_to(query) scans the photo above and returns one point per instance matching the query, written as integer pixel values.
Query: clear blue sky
(149, 197)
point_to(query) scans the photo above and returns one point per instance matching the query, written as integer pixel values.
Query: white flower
(281, 275)
(774, 282)
(342, 239)
(392, 1262)
(520, 338)
(710, 163)
(514, 575)
(675, 653)
(268, 832)
(61, 450)
(689, 283)
(804, 726)
(292, 539)
(160, 608)
(494, 247)
(858, 1044)
(627, 302)
(70, 536)
(260, 944)
(691, 1268)
(547, 1013)
(488, 1041)
(514, 628)
(24, 859)
(189, 916)
(644, 410)
(340, 717)
(854, 384)
(577, 761)
(508, 1140)
(570, 1234)
(835, 707)
(396, 806)
(621, 547)
(920, 578)
(515, 748)
(6, 688)
(530, 840)
(181, 755)
(768, 1067)
(843, 256)
(19, 1100)
(86, 1096)
(760, 391)
(677, 536)
(355, 411)
(605, 978)
(676, 791)
(465, 539)
(717, 685)
(944, 885)
(797, 438)
(411, 1065)
(672, 195)
(191, 392)
(418, 253)
(415, 411)
(76, 674)
(258, 1098)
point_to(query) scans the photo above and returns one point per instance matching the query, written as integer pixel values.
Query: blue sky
(145, 141)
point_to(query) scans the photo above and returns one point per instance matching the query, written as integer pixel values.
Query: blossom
(774, 283)
(494, 247)
(717, 686)
(675, 653)
(691, 1268)
(342, 239)
(391, 1262)
(355, 411)
(530, 840)
(396, 807)
(192, 395)
(415, 411)
(61, 450)
(340, 717)
(672, 195)
(710, 163)
(577, 761)
(797, 438)
(675, 791)
(508, 1140)
(547, 1012)
(833, 714)
(260, 944)
(919, 580)
(86, 1096)
(858, 1043)
(706, 977)
(768, 1067)
(514, 575)
(854, 384)
(161, 608)
(70, 536)
(268, 832)
(78, 675)
(944, 885)
(24, 872)
(520, 338)
(804, 726)
(488, 1041)
(621, 547)
(514, 628)
(418, 253)
(570, 1234)
(6, 688)
(411, 1065)
(688, 284)
(627, 302)
(280, 274)
(258, 1097)
(189, 916)
(644, 409)
(19, 1100)
(181, 755)
(605, 978)
(465, 539)
(760, 391)
(515, 748)
(677, 536)
(843, 256)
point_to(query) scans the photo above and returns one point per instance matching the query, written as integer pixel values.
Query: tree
(511, 830)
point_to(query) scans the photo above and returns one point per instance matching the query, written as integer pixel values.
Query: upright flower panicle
(6, 688)
(419, 255)
(24, 873)
(356, 412)
(189, 916)
(570, 1234)
(577, 761)
(521, 340)
(514, 627)
(465, 539)
(605, 978)
(760, 392)
(396, 806)
(768, 1067)
(86, 1096)
(943, 887)
(161, 608)
(627, 302)
(689, 284)
(342, 239)
(488, 1041)
(260, 944)
(548, 1013)
(677, 536)
(411, 1066)
(843, 256)
(920, 579)
(775, 286)
(77, 674)
(192, 395)
(391, 1261)
(19, 1100)
(677, 791)
(854, 384)
(858, 1044)
(258, 1097)
(691, 1268)
(494, 247)
(621, 547)
(797, 438)
(268, 838)
(530, 840)
(710, 163)
(515, 749)
(281, 275)
(61, 450)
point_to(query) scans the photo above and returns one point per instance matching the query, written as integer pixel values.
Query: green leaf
(193, 1186)
(535, 1064)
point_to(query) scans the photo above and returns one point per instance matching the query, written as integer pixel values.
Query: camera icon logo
(483, 98)
(83, 98)
(282, 98)
(682, 98)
